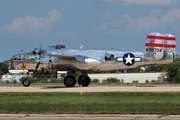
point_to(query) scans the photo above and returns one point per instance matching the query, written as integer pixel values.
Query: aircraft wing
(78, 58)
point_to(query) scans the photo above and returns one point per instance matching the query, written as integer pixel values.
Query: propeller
(40, 52)
(37, 66)
(52, 65)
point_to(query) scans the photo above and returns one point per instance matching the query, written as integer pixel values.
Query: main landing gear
(70, 81)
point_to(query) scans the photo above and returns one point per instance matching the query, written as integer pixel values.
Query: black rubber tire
(26, 83)
(84, 82)
(69, 81)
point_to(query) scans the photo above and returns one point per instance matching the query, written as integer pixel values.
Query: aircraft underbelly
(77, 66)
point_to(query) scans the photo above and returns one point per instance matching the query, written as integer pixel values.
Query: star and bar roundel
(128, 59)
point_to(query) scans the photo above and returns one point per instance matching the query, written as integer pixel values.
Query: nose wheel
(26, 83)
(84, 80)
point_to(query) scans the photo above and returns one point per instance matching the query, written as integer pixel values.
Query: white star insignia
(129, 59)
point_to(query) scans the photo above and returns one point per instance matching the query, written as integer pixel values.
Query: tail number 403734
(154, 49)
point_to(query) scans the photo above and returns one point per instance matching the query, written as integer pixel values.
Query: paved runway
(89, 89)
(85, 117)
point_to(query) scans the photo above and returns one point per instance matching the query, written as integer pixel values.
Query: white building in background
(127, 77)
(24, 73)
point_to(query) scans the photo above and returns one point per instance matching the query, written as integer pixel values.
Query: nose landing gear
(26, 82)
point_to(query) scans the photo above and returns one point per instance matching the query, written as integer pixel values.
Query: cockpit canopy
(37, 51)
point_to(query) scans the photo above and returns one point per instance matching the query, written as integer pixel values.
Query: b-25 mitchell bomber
(159, 49)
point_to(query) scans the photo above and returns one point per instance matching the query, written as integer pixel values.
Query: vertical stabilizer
(159, 46)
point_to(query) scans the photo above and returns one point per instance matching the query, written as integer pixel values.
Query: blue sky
(96, 24)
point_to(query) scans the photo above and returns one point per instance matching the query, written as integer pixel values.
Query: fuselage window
(109, 57)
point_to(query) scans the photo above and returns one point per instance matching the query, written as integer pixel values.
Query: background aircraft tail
(160, 46)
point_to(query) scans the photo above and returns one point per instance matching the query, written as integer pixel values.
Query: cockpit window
(35, 52)
(109, 57)
(19, 57)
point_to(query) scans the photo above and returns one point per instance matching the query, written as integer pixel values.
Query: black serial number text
(154, 49)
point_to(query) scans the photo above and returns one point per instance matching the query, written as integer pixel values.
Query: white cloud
(168, 21)
(30, 24)
(156, 13)
(152, 22)
(172, 16)
(143, 2)
(107, 16)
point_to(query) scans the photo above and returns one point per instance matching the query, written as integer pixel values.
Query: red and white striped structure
(170, 42)
(158, 43)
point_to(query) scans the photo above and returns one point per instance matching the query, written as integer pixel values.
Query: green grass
(91, 103)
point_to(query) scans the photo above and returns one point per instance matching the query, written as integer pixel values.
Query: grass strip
(91, 102)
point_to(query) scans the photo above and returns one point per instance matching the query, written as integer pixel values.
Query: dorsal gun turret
(59, 46)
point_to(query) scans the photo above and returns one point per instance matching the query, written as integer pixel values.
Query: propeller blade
(40, 52)
(37, 65)
(42, 70)
(52, 66)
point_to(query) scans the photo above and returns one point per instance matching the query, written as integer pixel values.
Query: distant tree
(77, 74)
(50, 74)
(160, 68)
(95, 80)
(162, 77)
(1, 73)
(173, 71)
(39, 74)
(136, 70)
(4, 67)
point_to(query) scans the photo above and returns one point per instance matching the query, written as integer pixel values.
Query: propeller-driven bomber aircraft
(159, 49)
